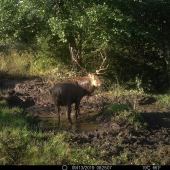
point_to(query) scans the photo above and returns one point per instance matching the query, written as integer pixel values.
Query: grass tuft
(164, 99)
(123, 114)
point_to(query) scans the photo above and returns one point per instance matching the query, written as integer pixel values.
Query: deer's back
(69, 92)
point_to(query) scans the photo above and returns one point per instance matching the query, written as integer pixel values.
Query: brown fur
(72, 91)
(85, 83)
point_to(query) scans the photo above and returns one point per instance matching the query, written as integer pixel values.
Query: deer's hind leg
(69, 113)
(77, 109)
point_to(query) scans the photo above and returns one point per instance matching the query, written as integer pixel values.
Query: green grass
(25, 64)
(164, 99)
(123, 90)
(21, 142)
(123, 114)
(3, 103)
(116, 108)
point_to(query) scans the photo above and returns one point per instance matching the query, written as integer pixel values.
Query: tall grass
(26, 64)
(15, 64)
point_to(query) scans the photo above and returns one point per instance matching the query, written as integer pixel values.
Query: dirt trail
(34, 95)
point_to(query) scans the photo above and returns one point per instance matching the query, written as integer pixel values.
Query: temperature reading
(146, 167)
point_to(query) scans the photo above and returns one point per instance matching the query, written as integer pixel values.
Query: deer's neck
(86, 84)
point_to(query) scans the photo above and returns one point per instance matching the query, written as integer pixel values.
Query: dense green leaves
(134, 34)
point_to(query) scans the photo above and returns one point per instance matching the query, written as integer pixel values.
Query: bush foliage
(133, 34)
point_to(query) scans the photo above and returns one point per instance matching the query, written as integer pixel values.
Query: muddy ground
(95, 130)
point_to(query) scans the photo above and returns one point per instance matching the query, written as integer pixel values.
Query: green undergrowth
(164, 99)
(25, 64)
(19, 144)
(22, 142)
(123, 114)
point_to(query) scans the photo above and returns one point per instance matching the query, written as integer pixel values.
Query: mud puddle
(85, 122)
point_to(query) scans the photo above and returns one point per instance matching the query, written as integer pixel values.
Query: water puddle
(86, 122)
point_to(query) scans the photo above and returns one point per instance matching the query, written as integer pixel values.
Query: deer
(73, 90)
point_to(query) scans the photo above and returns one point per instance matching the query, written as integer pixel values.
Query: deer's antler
(75, 59)
(104, 59)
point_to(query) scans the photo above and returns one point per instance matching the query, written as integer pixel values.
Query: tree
(8, 19)
(134, 34)
(82, 26)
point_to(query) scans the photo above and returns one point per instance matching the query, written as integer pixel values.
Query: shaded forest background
(133, 34)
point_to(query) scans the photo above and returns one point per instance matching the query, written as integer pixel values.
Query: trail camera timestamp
(91, 167)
